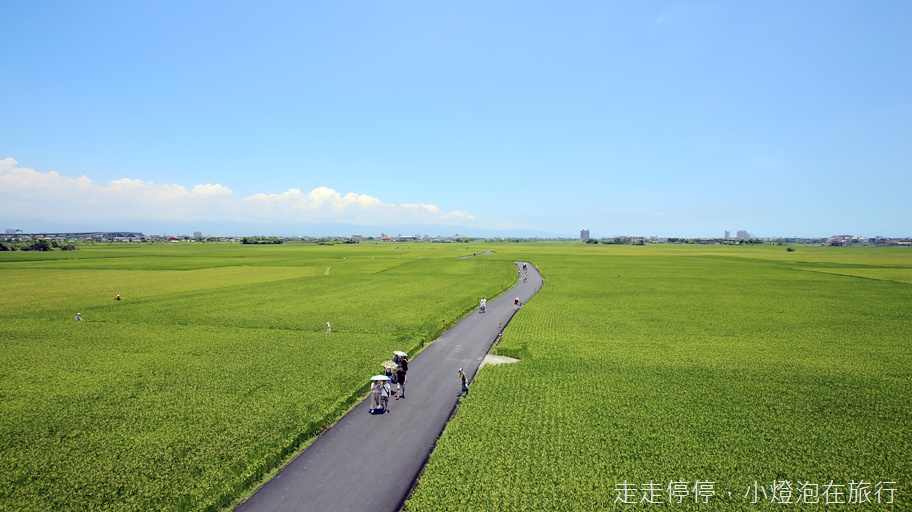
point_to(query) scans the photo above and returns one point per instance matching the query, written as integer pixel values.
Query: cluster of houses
(133, 236)
(849, 240)
(94, 236)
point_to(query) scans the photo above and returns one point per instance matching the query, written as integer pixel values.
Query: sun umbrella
(380, 377)
(399, 353)
(390, 365)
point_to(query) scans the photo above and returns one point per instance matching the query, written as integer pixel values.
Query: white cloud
(422, 209)
(211, 190)
(458, 217)
(324, 204)
(32, 184)
(50, 196)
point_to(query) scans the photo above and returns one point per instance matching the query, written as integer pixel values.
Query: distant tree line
(36, 245)
(619, 240)
(262, 240)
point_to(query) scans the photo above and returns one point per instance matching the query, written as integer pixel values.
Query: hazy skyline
(679, 119)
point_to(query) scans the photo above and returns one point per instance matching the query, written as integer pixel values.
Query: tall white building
(584, 234)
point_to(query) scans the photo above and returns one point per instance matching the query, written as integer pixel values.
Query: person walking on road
(385, 396)
(465, 382)
(400, 382)
(484, 304)
(375, 394)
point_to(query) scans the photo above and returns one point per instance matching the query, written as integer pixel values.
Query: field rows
(688, 368)
(202, 379)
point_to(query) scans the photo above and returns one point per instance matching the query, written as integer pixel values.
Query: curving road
(368, 462)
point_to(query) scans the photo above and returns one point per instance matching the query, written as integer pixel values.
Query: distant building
(727, 234)
(584, 234)
(120, 236)
(197, 234)
(743, 234)
(841, 240)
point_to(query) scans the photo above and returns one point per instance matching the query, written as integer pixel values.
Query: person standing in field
(400, 382)
(465, 382)
(118, 297)
(328, 327)
(78, 317)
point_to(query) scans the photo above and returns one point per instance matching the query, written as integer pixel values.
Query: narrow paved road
(368, 462)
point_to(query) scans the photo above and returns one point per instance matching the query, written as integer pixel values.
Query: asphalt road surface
(368, 462)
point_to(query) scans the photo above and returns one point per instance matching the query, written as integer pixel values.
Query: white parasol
(380, 377)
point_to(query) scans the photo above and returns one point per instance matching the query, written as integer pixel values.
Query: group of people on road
(382, 389)
(380, 392)
(381, 386)
(523, 274)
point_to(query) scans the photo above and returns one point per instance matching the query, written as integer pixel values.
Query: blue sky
(646, 118)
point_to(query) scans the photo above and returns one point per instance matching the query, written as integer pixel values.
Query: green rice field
(213, 369)
(650, 377)
(695, 378)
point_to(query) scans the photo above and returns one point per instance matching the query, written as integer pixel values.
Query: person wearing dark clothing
(400, 383)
